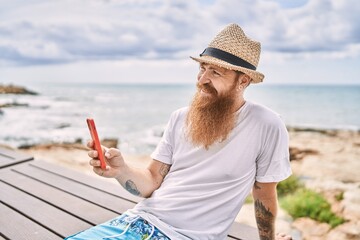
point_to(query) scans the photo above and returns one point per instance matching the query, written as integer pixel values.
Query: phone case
(95, 138)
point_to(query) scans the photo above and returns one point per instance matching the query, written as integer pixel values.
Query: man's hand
(137, 181)
(282, 236)
(113, 158)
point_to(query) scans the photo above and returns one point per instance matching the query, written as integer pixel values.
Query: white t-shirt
(205, 189)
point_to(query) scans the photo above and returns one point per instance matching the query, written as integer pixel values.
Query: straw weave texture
(232, 39)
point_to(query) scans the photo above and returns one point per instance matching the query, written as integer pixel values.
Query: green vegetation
(299, 202)
(307, 203)
(288, 186)
(339, 196)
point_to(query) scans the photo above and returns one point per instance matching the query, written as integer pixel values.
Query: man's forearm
(265, 203)
(265, 220)
(143, 182)
(138, 182)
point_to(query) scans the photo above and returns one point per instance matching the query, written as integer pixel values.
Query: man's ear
(244, 80)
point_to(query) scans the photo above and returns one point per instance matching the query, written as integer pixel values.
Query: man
(210, 157)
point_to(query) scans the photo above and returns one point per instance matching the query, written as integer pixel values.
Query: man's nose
(203, 78)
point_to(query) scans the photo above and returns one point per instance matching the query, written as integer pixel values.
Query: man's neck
(239, 104)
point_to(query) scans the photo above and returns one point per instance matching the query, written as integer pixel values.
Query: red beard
(211, 118)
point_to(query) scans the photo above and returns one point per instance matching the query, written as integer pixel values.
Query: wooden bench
(40, 200)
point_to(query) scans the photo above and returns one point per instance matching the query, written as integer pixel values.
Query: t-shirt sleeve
(273, 164)
(164, 150)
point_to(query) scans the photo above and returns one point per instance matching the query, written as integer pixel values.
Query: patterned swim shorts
(123, 227)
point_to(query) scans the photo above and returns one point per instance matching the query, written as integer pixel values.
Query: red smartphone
(95, 138)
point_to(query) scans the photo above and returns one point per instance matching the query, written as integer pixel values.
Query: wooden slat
(10, 157)
(42, 213)
(81, 190)
(60, 199)
(242, 231)
(5, 160)
(93, 181)
(13, 225)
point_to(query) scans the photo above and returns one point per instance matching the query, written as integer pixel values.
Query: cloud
(320, 27)
(105, 30)
(49, 32)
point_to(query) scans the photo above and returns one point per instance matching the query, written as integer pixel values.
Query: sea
(136, 114)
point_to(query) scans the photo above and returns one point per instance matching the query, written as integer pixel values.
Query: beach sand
(328, 162)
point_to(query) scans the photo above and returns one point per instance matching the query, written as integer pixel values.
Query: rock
(12, 89)
(298, 154)
(26, 146)
(310, 229)
(328, 132)
(63, 125)
(13, 104)
(349, 231)
(110, 142)
(322, 185)
(351, 203)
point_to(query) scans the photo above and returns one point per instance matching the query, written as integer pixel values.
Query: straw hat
(233, 50)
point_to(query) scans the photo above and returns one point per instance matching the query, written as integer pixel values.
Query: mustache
(206, 88)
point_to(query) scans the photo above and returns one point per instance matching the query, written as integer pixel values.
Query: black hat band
(227, 57)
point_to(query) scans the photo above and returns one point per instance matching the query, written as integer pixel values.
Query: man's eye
(216, 73)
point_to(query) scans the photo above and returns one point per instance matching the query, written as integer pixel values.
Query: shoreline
(330, 131)
(303, 141)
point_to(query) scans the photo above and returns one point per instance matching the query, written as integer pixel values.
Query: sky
(150, 41)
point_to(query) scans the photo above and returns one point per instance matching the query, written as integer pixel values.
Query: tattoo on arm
(164, 169)
(265, 221)
(131, 188)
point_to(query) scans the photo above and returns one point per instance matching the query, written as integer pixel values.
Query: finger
(95, 163)
(90, 144)
(99, 171)
(112, 152)
(93, 154)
